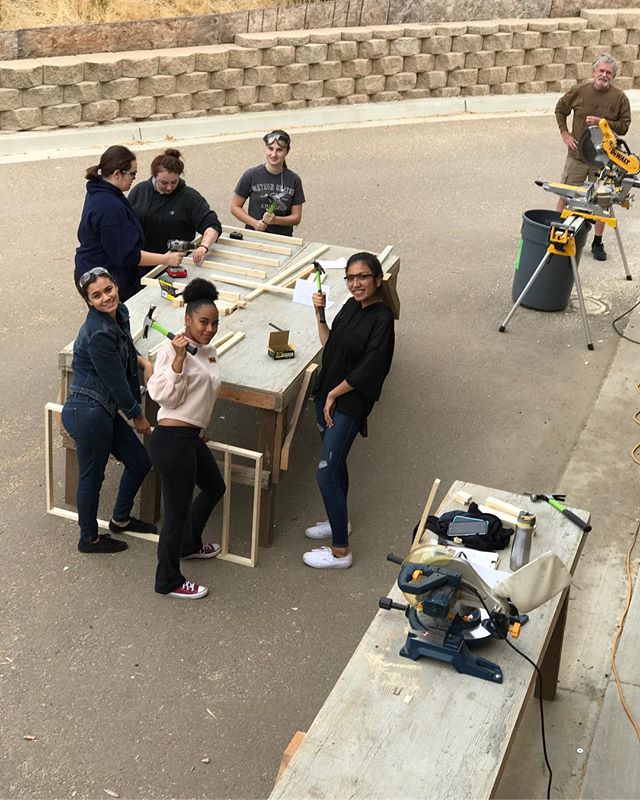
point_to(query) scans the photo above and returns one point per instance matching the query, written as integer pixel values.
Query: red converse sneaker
(209, 550)
(189, 591)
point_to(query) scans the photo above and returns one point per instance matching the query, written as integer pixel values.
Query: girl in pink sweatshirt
(186, 387)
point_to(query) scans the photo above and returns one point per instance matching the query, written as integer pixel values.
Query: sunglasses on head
(277, 136)
(88, 276)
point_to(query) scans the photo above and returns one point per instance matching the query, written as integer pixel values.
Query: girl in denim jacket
(105, 382)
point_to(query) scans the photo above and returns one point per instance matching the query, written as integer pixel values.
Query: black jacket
(110, 236)
(178, 215)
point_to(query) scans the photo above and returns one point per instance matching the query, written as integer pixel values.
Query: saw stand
(562, 242)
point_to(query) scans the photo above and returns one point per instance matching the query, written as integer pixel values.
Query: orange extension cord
(623, 618)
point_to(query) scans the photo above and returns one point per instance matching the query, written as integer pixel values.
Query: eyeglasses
(361, 277)
(277, 136)
(132, 175)
(86, 277)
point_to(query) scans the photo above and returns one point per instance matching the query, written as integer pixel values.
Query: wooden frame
(261, 235)
(249, 258)
(228, 452)
(262, 247)
(49, 410)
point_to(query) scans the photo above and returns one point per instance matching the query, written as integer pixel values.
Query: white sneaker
(321, 530)
(323, 558)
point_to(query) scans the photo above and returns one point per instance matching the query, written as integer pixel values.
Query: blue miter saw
(450, 610)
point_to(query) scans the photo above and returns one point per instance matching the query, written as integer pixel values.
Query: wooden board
(263, 247)
(262, 236)
(250, 258)
(394, 728)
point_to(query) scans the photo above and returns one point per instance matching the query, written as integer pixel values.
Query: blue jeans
(97, 434)
(332, 474)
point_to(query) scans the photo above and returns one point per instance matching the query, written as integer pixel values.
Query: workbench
(394, 728)
(250, 378)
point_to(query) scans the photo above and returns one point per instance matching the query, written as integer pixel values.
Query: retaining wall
(149, 34)
(308, 68)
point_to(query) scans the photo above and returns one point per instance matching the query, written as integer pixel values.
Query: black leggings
(183, 461)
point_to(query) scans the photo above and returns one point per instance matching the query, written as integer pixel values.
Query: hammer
(149, 322)
(555, 500)
(273, 203)
(317, 266)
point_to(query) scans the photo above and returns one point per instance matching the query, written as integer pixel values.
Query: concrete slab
(614, 767)
(114, 681)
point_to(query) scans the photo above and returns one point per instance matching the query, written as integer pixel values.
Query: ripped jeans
(332, 474)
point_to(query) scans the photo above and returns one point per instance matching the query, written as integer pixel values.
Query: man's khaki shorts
(576, 172)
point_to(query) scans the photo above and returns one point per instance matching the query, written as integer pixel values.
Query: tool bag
(496, 538)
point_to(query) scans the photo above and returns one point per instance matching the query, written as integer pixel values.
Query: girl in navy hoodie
(109, 233)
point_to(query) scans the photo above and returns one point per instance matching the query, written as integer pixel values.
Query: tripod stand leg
(583, 310)
(622, 254)
(530, 282)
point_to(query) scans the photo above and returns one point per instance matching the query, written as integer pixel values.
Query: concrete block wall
(326, 66)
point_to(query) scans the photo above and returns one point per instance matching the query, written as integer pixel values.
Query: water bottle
(521, 547)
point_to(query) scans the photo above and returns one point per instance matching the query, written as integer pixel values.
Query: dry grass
(15, 14)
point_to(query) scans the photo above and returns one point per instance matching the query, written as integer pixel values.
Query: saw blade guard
(439, 557)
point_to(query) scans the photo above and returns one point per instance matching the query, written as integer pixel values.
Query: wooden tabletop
(250, 376)
(394, 728)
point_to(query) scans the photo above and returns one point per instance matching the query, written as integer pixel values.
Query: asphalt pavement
(126, 691)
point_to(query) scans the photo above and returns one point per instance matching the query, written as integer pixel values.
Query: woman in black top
(169, 209)
(357, 357)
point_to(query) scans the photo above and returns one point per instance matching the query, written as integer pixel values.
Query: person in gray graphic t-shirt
(271, 185)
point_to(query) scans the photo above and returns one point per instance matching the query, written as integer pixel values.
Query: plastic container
(552, 287)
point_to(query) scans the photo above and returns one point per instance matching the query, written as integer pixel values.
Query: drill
(179, 246)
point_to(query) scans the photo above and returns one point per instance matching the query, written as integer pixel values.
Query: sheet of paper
(338, 263)
(489, 559)
(304, 289)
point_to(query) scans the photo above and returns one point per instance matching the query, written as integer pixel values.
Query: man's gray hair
(606, 58)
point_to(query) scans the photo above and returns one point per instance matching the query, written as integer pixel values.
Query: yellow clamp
(562, 241)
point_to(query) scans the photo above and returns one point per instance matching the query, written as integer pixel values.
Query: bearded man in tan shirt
(590, 102)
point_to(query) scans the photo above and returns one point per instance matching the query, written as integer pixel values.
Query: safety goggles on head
(277, 136)
(86, 277)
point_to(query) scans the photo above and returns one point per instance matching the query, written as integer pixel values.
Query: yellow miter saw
(618, 166)
(594, 201)
(450, 608)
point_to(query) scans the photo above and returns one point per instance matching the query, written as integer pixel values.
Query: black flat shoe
(105, 544)
(136, 525)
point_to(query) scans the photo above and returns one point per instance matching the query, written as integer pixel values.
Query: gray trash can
(553, 286)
